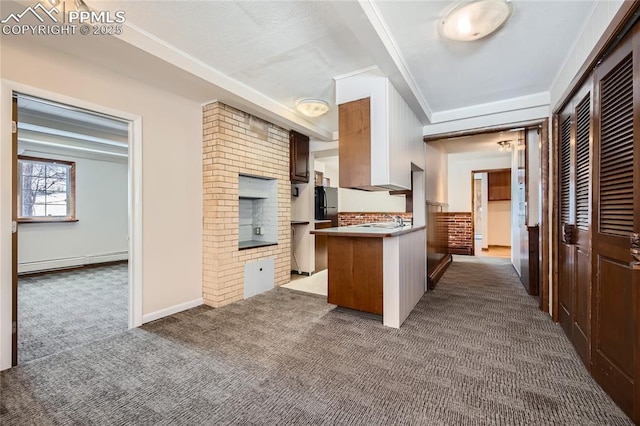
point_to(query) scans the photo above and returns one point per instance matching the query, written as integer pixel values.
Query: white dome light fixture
(475, 19)
(312, 107)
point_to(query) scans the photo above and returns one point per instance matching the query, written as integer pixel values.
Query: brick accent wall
(236, 143)
(358, 218)
(460, 232)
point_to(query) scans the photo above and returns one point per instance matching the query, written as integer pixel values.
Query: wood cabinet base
(355, 273)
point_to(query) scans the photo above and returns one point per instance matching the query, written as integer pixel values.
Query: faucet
(398, 222)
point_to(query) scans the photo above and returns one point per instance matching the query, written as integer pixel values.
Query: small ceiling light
(475, 19)
(312, 107)
(504, 146)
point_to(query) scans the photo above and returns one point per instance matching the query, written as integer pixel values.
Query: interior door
(565, 194)
(575, 218)
(14, 235)
(581, 248)
(616, 216)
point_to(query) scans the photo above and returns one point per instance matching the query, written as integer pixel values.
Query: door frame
(547, 204)
(135, 206)
(473, 202)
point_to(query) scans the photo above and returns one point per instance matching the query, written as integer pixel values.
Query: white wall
(436, 173)
(459, 170)
(534, 191)
(171, 170)
(499, 223)
(303, 243)
(100, 235)
(595, 27)
(352, 200)
(516, 191)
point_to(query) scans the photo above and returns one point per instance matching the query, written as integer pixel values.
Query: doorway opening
(522, 149)
(491, 212)
(72, 207)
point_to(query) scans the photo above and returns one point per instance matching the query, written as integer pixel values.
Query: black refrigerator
(327, 204)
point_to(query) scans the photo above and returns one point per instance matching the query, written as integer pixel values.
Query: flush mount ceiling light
(312, 107)
(504, 146)
(475, 19)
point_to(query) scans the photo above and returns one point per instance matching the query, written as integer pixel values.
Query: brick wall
(236, 143)
(460, 232)
(358, 218)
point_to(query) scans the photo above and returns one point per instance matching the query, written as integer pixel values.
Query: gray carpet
(58, 311)
(476, 351)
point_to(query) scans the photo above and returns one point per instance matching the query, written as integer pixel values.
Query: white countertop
(367, 231)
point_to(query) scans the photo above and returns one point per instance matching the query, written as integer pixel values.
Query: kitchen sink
(386, 225)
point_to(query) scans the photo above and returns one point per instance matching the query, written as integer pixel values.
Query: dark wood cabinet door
(499, 185)
(354, 147)
(298, 157)
(616, 216)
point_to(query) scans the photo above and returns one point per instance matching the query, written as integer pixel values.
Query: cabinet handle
(569, 233)
(634, 251)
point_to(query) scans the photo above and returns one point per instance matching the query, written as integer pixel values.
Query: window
(46, 190)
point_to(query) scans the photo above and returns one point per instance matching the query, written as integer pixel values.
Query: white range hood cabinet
(396, 133)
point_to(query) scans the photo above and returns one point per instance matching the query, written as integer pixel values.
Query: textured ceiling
(286, 50)
(289, 50)
(522, 58)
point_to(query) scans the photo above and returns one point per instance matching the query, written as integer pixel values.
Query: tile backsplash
(358, 218)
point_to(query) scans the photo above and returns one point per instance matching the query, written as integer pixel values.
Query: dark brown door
(565, 256)
(616, 216)
(14, 235)
(574, 293)
(581, 320)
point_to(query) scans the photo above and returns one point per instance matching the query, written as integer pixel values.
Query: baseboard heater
(70, 262)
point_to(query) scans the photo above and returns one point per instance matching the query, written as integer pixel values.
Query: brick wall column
(235, 143)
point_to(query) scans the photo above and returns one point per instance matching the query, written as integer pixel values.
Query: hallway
(476, 351)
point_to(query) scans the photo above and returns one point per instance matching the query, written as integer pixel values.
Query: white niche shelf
(258, 211)
(252, 194)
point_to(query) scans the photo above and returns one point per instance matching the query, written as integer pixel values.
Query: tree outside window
(46, 190)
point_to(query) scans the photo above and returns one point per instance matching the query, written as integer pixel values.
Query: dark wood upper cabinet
(354, 149)
(298, 157)
(499, 183)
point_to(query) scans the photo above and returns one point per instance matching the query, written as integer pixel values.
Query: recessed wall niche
(258, 211)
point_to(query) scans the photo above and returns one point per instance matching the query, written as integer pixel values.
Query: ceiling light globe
(475, 19)
(312, 107)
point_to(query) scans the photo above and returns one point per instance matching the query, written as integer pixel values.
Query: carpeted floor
(61, 310)
(476, 351)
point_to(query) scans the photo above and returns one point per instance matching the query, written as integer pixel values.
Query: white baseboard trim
(171, 310)
(71, 262)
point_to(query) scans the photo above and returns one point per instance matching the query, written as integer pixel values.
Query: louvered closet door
(566, 258)
(582, 241)
(616, 285)
(575, 205)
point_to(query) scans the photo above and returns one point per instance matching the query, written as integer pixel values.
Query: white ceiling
(521, 59)
(263, 56)
(480, 143)
(50, 126)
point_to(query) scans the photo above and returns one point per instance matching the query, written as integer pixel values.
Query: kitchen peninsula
(377, 268)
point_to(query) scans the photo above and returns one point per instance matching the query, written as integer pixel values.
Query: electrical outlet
(257, 230)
